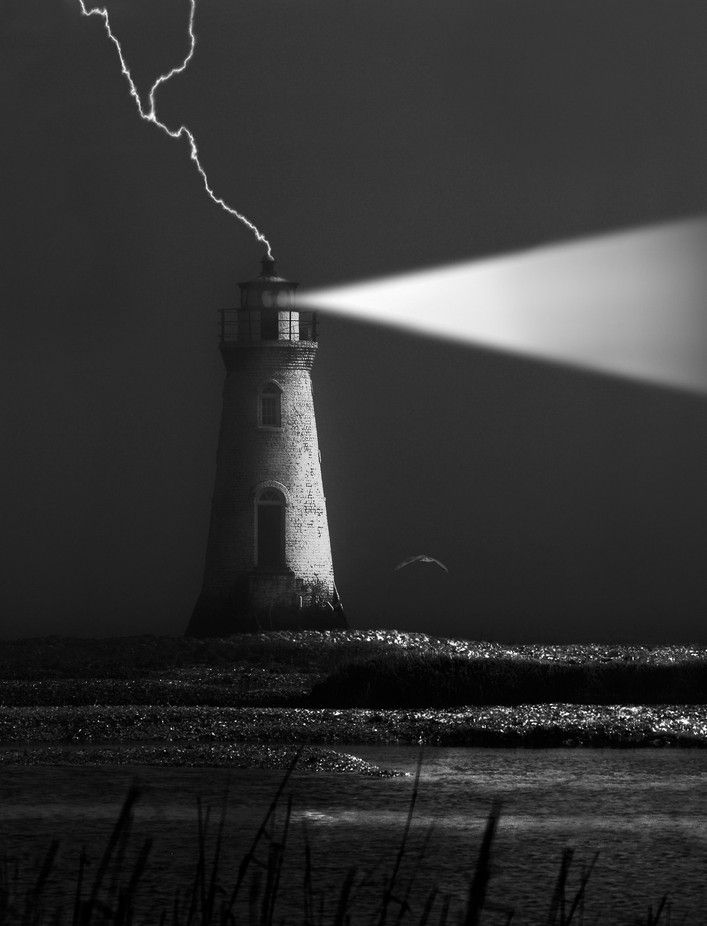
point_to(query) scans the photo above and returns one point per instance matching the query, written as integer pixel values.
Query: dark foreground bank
(222, 846)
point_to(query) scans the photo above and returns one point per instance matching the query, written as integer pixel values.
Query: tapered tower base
(217, 616)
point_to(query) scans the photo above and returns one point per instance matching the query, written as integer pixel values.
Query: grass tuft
(255, 894)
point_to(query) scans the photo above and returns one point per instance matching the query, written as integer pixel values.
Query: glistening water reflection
(644, 811)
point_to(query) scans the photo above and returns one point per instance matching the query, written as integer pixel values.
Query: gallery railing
(249, 325)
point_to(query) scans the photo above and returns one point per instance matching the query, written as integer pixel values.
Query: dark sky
(364, 138)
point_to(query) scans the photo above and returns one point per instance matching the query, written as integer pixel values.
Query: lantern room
(267, 312)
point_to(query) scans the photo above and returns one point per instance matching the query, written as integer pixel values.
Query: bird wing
(406, 562)
(421, 558)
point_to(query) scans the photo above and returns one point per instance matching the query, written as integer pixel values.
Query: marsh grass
(341, 669)
(252, 894)
(147, 656)
(413, 681)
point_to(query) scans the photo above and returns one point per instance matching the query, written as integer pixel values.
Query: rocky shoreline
(200, 728)
(247, 701)
(200, 755)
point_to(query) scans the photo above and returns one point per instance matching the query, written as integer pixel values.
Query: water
(644, 811)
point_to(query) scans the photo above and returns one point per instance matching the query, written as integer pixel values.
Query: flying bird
(424, 559)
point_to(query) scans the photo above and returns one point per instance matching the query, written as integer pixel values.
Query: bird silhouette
(422, 558)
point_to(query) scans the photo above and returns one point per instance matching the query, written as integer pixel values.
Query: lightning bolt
(149, 114)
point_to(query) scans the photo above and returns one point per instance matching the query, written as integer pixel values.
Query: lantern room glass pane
(269, 326)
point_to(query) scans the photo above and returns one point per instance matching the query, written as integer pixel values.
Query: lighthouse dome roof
(267, 276)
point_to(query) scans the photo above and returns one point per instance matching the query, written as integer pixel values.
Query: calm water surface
(644, 811)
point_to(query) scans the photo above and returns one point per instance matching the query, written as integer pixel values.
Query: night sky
(364, 139)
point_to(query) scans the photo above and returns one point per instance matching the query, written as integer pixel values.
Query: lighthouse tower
(268, 558)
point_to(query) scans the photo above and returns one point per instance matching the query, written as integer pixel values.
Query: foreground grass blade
(482, 874)
(213, 882)
(341, 907)
(388, 892)
(79, 886)
(307, 882)
(33, 900)
(120, 824)
(578, 901)
(557, 905)
(248, 857)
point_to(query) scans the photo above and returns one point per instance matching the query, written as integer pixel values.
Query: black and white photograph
(354, 520)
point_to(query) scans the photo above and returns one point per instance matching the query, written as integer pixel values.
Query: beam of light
(149, 114)
(631, 303)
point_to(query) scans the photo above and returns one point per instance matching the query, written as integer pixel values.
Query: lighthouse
(268, 557)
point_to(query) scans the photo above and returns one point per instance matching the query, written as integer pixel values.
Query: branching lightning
(150, 114)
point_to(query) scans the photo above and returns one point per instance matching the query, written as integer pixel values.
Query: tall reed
(254, 895)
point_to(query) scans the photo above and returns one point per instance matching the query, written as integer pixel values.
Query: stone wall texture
(235, 595)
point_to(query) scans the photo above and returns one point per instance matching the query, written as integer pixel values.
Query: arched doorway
(270, 530)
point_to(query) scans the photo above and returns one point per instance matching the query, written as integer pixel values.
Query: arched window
(271, 406)
(270, 530)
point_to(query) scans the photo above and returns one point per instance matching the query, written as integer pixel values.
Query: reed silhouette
(253, 894)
